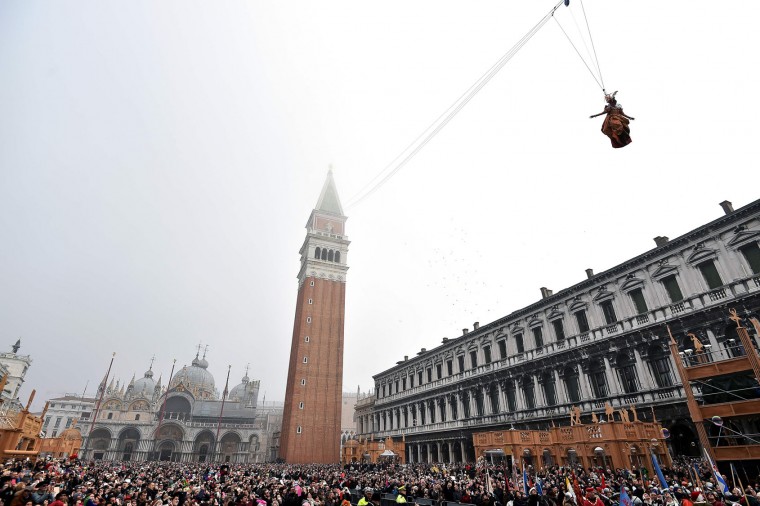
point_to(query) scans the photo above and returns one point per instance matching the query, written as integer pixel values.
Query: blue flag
(525, 481)
(722, 485)
(660, 476)
(539, 488)
(625, 499)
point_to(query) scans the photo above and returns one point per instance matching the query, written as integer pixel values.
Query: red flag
(603, 485)
(577, 488)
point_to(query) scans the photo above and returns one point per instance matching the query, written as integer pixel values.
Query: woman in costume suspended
(615, 125)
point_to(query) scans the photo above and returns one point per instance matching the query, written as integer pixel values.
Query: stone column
(439, 446)
(715, 351)
(584, 383)
(505, 400)
(451, 452)
(612, 381)
(460, 405)
(645, 380)
(429, 454)
(559, 388)
(538, 392)
(464, 453)
(473, 402)
(500, 398)
(519, 396)
(486, 400)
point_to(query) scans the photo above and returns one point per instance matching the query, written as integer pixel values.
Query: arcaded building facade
(311, 428)
(186, 421)
(603, 340)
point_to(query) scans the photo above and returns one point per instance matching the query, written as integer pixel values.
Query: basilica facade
(188, 420)
(601, 342)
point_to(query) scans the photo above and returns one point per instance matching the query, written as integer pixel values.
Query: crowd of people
(74, 483)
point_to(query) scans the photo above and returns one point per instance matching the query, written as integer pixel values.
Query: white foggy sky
(158, 162)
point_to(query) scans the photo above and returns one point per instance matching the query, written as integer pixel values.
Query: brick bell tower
(313, 397)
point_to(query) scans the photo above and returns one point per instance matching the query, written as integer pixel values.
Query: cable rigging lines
(436, 126)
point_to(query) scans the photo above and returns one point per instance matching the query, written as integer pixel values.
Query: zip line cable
(598, 67)
(431, 131)
(579, 55)
(583, 39)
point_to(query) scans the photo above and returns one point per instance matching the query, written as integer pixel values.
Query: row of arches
(170, 441)
(327, 254)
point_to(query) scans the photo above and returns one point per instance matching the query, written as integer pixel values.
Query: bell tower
(313, 397)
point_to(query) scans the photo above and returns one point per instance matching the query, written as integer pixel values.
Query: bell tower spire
(313, 396)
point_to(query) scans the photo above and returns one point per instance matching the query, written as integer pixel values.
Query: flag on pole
(735, 474)
(525, 480)
(695, 469)
(625, 499)
(569, 489)
(658, 471)
(539, 488)
(722, 486)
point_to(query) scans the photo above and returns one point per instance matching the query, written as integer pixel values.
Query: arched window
(137, 417)
(598, 379)
(298, 430)
(529, 392)
(324, 254)
(330, 255)
(659, 361)
(627, 369)
(550, 393)
(110, 416)
(494, 398)
(572, 384)
(511, 396)
(317, 252)
(337, 256)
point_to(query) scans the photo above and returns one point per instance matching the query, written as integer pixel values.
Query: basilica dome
(145, 385)
(238, 392)
(196, 379)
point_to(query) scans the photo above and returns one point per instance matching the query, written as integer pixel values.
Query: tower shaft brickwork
(313, 397)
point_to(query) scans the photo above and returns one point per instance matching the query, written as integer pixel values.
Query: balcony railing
(718, 294)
